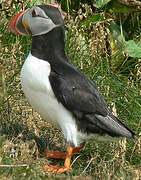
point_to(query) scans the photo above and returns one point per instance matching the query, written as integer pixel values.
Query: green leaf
(133, 48)
(101, 3)
(117, 33)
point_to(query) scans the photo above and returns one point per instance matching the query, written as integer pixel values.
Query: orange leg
(61, 155)
(54, 154)
(67, 156)
(77, 149)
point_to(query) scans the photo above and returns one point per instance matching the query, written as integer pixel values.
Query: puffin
(57, 90)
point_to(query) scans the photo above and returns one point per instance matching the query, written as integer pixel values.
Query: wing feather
(76, 92)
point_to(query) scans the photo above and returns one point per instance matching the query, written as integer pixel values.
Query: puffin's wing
(76, 92)
(80, 95)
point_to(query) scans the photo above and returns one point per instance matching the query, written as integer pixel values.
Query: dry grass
(23, 134)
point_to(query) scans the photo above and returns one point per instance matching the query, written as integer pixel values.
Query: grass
(23, 134)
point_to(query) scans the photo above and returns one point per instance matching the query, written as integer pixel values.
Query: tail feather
(114, 127)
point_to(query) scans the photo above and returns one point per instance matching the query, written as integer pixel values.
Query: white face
(37, 22)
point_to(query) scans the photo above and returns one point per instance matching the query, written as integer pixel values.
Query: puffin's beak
(16, 25)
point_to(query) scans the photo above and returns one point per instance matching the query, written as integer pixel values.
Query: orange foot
(59, 155)
(57, 169)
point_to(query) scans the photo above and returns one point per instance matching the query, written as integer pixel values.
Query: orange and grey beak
(17, 26)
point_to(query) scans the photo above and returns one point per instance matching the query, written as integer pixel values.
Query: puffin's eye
(34, 13)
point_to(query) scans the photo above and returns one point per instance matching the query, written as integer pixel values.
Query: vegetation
(103, 39)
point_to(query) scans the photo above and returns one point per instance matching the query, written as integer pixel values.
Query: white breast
(36, 86)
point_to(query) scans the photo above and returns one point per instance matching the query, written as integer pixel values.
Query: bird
(57, 90)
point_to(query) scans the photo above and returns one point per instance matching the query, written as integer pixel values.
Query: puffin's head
(37, 20)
